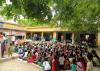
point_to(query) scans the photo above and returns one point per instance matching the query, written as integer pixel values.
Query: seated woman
(25, 56)
(74, 65)
(80, 66)
(67, 64)
(46, 65)
(89, 66)
(31, 58)
(96, 58)
(16, 49)
(21, 52)
(55, 64)
(96, 62)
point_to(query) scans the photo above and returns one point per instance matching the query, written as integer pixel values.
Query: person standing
(10, 49)
(1, 37)
(3, 48)
(2, 44)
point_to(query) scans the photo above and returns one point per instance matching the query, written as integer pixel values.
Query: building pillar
(73, 38)
(42, 36)
(31, 35)
(25, 36)
(54, 35)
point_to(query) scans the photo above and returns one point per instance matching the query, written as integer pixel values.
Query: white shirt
(89, 66)
(61, 60)
(46, 65)
(26, 53)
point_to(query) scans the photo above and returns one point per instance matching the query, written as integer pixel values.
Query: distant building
(48, 34)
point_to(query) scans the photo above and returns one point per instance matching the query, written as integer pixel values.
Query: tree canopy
(79, 14)
(74, 14)
(28, 8)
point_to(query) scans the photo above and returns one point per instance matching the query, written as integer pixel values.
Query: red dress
(54, 65)
(31, 59)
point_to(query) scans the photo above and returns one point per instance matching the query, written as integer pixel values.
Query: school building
(15, 31)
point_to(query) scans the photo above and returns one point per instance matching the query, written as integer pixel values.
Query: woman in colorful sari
(55, 64)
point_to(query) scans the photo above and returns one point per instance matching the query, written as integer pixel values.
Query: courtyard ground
(16, 65)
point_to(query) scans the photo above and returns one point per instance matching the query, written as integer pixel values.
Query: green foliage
(77, 15)
(34, 23)
(29, 8)
(37, 9)
(1, 2)
(7, 11)
(11, 10)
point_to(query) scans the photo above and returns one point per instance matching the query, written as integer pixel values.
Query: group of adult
(58, 56)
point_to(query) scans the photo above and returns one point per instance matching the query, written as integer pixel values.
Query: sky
(8, 2)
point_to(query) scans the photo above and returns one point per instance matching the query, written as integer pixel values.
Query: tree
(37, 9)
(79, 14)
(1, 2)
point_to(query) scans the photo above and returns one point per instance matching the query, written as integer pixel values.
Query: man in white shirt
(61, 62)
